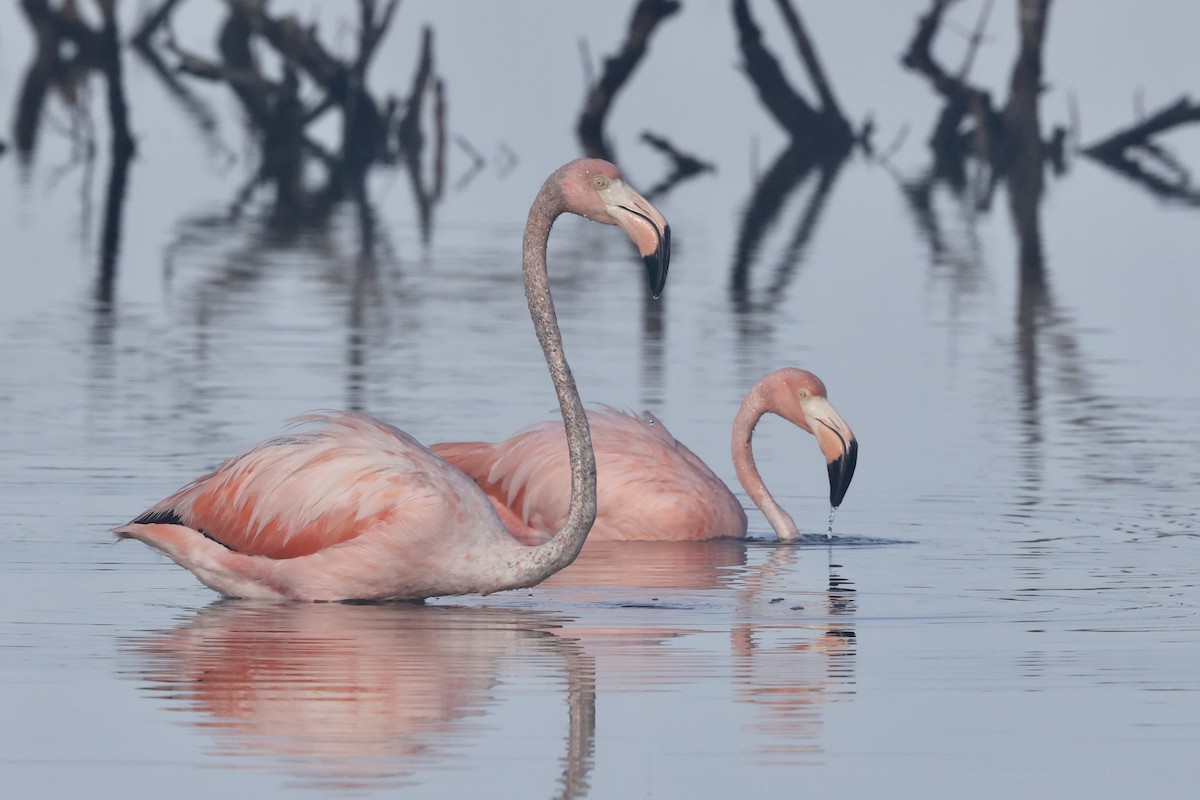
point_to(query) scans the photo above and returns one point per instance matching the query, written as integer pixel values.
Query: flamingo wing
(649, 485)
(299, 493)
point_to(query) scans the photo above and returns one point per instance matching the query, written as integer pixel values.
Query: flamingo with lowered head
(649, 485)
(355, 509)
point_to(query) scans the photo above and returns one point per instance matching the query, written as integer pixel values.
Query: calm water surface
(1009, 607)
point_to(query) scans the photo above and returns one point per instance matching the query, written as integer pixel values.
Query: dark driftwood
(412, 141)
(153, 21)
(273, 105)
(193, 106)
(808, 54)
(970, 124)
(1182, 112)
(962, 100)
(1004, 143)
(56, 65)
(408, 132)
(617, 70)
(821, 140)
(683, 165)
(1126, 150)
(818, 126)
(311, 82)
(121, 151)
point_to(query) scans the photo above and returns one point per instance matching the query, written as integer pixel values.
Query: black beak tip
(657, 264)
(841, 472)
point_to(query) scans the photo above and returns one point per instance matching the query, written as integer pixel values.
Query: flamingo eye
(600, 182)
(802, 394)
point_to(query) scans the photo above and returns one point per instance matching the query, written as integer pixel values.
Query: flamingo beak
(647, 228)
(838, 444)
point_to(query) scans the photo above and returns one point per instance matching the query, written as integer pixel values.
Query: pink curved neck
(535, 564)
(752, 410)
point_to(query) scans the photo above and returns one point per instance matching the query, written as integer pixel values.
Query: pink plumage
(353, 508)
(649, 484)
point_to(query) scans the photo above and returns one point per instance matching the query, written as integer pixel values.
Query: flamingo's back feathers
(357, 509)
(649, 485)
(298, 493)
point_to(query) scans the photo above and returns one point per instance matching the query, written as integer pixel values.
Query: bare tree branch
(617, 70)
(684, 166)
(1181, 112)
(153, 21)
(823, 128)
(808, 54)
(1119, 153)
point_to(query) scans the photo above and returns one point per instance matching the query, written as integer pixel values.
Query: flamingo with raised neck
(355, 509)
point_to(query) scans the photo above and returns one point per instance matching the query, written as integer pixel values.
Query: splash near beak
(647, 228)
(839, 446)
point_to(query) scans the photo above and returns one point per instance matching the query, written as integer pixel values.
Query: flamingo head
(799, 397)
(594, 188)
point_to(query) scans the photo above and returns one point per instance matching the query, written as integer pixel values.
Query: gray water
(1009, 605)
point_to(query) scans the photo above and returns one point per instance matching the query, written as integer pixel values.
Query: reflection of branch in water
(215, 260)
(478, 162)
(357, 696)
(1044, 344)
(790, 171)
(960, 252)
(110, 239)
(508, 159)
(81, 131)
(1007, 144)
(194, 107)
(310, 82)
(121, 154)
(364, 289)
(249, 236)
(68, 51)
(821, 140)
(412, 141)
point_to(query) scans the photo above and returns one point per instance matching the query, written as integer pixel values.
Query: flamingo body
(649, 485)
(355, 509)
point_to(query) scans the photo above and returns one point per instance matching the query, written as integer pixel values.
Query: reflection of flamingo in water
(353, 696)
(785, 662)
(649, 485)
(357, 509)
(790, 662)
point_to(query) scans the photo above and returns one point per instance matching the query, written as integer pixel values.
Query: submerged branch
(808, 54)
(684, 166)
(617, 71)
(1182, 112)
(1132, 152)
(820, 128)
